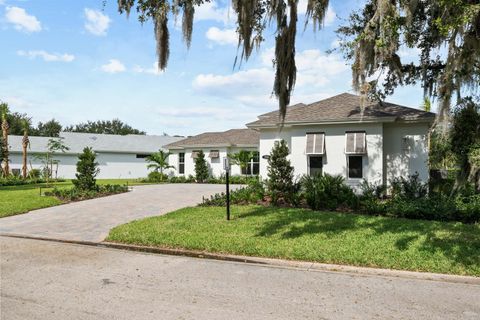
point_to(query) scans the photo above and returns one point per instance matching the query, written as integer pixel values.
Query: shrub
(411, 188)
(438, 207)
(201, 168)
(254, 192)
(34, 174)
(76, 194)
(468, 208)
(156, 176)
(87, 170)
(328, 192)
(280, 174)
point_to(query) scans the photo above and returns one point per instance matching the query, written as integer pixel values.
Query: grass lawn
(20, 199)
(314, 236)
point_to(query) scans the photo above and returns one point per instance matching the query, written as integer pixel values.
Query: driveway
(91, 220)
(47, 280)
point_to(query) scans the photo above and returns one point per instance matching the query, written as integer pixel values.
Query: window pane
(316, 165)
(256, 168)
(181, 168)
(181, 157)
(355, 167)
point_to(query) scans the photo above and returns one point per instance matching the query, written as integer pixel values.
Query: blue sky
(77, 60)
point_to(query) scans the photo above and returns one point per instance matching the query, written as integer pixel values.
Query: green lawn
(314, 236)
(20, 199)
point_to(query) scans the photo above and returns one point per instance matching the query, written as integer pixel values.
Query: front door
(315, 164)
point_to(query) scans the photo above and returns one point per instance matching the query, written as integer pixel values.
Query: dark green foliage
(87, 170)
(156, 176)
(254, 192)
(465, 134)
(327, 192)
(34, 173)
(76, 194)
(201, 168)
(410, 188)
(280, 183)
(51, 128)
(181, 179)
(114, 126)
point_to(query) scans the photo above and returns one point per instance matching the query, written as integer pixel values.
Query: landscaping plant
(280, 182)
(158, 161)
(201, 168)
(87, 170)
(328, 192)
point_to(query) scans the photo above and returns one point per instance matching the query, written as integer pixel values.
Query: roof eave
(328, 121)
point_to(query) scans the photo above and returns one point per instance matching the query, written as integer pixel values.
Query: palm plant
(242, 159)
(5, 130)
(25, 145)
(158, 161)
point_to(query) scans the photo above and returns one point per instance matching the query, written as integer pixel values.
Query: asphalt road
(47, 280)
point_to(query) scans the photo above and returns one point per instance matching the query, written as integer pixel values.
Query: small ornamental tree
(201, 168)
(87, 170)
(280, 173)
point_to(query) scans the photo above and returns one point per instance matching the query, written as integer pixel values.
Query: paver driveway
(91, 220)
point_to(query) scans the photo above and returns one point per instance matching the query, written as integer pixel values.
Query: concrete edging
(270, 262)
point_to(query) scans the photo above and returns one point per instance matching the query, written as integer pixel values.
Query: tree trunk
(6, 166)
(25, 143)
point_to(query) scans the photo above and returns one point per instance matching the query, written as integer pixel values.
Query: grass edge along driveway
(24, 198)
(300, 234)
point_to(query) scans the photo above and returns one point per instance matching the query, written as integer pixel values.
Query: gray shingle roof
(142, 144)
(342, 107)
(230, 138)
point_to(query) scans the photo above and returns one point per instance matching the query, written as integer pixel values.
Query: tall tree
(252, 19)
(447, 34)
(5, 132)
(158, 161)
(114, 126)
(51, 128)
(25, 145)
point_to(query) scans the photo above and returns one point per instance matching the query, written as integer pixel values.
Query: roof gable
(229, 138)
(342, 107)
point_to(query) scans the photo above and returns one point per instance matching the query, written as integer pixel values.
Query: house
(334, 136)
(216, 146)
(118, 156)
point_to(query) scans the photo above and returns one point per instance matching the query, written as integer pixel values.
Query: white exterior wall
(402, 161)
(111, 165)
(334, 159)
(215, 165)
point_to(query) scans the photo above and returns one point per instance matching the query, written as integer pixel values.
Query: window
(315, 165)
(181, 163)
(315, 143)
(355, 167)
(355, 143)
(214, 154)
(253, 167)
(195, 154)
(143, 156)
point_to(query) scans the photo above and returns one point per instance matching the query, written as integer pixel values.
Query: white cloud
(222, 36)
(96, 22)
(153, 70)
(212, 11)
(253, 87)
(114, 66)
(49, 57)
(21, 20)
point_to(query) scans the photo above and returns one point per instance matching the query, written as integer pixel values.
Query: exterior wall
(112, 165)
(215, 165)
(404, 160)
(335, 159)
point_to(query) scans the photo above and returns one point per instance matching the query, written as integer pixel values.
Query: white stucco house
(333, 136)
(216, 146)
(118, 156)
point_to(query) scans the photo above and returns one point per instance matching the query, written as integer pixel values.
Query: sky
(80, 60)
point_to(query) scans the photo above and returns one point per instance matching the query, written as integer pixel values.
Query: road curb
(268, 262)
